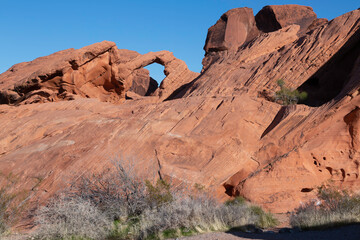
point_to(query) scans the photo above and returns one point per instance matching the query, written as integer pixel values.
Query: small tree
(288, 96)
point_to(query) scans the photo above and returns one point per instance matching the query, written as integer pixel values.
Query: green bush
(160, 193)
(332, 208)
(236, 201)
(265, 219)
(288, 96)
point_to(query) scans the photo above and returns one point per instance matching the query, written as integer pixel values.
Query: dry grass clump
(11, 202)
(264, 219)
(71, 218)
(5, 201)
(194, 214)
(334, 208)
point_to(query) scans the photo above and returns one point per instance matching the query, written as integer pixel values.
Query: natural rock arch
(176, 72)
(99, 71)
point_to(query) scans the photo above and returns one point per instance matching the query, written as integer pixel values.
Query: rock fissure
(269, 166)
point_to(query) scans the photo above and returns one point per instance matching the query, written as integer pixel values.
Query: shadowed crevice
(332, 78)
(281, 115)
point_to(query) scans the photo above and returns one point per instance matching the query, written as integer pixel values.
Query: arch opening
(156, 72)
(147, 79)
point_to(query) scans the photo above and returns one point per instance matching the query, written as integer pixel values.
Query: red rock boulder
(233, 29)
(275, 17)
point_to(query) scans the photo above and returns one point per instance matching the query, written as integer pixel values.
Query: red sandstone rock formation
(176, 71)
(216, 128)
(97, 71)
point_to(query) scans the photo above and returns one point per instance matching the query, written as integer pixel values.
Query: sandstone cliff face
(218, 128)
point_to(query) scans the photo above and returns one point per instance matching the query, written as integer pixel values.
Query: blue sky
(30, 29)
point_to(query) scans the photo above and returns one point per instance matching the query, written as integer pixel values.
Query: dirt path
(351, 232)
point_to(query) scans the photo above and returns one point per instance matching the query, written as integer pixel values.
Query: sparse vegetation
(333, 208)
(159, 193)
(11, 202)
(194, 214)
(119, 205)
(265, 219)
(71, 218)
(288, 96)
(5, 201)
(236, 201)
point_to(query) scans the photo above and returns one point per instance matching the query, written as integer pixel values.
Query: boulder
(275, 17)
(143, 84)
(235, 28)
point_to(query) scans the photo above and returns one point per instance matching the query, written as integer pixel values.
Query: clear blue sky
(34, 28)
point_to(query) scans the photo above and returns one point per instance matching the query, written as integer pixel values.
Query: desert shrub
(239, 200)
(71, 218)
(159, 193)
(199, 188)
(119, 193)
(264, 219)
(332, 208)
(127, 207)
(199, 214)
(288, 96)
(189, 214)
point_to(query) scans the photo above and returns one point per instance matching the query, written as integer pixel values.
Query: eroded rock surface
(256, 67)
(83, 72)
(97, 71)
(217, 129)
